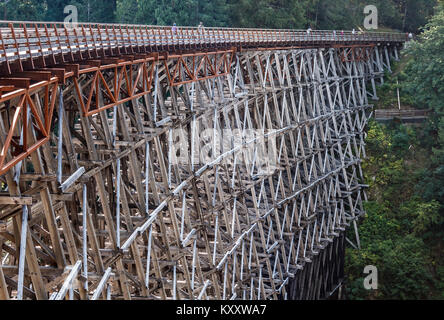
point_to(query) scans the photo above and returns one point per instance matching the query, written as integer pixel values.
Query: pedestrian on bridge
(200, 28)
(308, 33)
(174, 31)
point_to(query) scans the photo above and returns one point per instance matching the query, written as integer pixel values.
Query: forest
(402, 15)
(403, 232)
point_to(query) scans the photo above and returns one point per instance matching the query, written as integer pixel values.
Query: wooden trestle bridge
(141, 163)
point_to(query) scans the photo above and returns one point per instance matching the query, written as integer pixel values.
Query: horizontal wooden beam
(24, 201)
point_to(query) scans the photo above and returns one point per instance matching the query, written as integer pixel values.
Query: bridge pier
(323, 277)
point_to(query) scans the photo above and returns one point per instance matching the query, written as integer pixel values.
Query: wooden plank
(56, 72)
(35, 75)
(74, 68)
(26, 291)
(37, 161)
(16, 82)
(4, 295)
(23, 201)
(68, 281)
(38, 177)
(72, 179)
(6, 88)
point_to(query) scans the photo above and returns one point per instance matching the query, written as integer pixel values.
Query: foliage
(406, 15)
(426, 71)
(402, 271)
(403, 233)
(426, 65)
(286, 14)
(23, 10)
(400, 234)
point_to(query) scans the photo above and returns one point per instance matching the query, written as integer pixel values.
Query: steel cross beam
(25, 117)
(187, 68)
(120, 79)
(351, 53)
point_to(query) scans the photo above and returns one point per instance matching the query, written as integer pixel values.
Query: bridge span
(144, 162)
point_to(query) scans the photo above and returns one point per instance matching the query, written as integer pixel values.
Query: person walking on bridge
(174, 32)
(308, 33)
(200, 28)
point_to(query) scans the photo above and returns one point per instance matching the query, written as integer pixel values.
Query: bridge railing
(23, 40)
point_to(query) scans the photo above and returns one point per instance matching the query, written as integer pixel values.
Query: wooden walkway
(407, 116)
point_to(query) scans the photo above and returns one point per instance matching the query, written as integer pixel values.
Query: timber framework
(139, 162)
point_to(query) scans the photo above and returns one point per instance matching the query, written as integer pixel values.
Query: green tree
(158, 12)
(213, 13)
(28, 10)
(341, 14)
(286, 14)
(414, 13)
(127, 11)
(55, 9)
(400, 234)
(101, 10)
(405, 15)
(426, 76)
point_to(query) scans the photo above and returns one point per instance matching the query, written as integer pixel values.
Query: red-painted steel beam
(13, 148)
(33, 45)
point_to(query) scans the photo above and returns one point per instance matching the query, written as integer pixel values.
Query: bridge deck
(34, 44)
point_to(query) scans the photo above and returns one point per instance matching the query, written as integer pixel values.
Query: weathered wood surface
(158, 212)
(384, 115)
(28, 46)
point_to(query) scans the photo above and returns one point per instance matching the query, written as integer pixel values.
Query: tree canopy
(403, 232)
(404, 15)
(425, 83)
